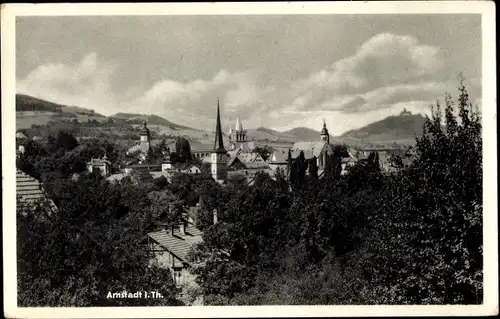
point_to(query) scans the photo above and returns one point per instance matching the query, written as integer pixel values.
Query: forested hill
(29, 103)
(392, 127)
(151, 119)
(304, 133)
(26, 103)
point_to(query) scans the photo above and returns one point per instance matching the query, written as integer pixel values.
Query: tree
(182, 150)
(206, 169)
(313, 169)
(94, 244)
(301, 166)
(292, 169)
(429, 245)
(65, 141)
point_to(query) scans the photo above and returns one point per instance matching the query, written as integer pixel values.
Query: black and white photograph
(203, 159)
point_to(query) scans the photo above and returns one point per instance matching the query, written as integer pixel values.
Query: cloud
(86, 84)
(382, 76)
(383, 59)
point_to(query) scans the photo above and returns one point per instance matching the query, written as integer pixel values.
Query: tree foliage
(366, 237)
(94, 244)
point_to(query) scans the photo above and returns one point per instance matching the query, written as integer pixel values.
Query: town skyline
(278, 81)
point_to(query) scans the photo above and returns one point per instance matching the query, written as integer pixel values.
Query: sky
(274, 71)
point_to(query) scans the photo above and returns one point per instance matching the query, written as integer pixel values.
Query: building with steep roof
(201, 151)
(319, 150)
(172, 246)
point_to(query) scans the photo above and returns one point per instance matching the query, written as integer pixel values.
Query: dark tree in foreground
(94, 244)
(431, 227)
(182, 150)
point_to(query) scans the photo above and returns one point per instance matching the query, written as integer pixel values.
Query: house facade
(100, 165)
(172, 246)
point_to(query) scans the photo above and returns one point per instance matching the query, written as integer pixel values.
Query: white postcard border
(490, 233)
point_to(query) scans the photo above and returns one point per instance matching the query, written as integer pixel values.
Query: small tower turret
(325, 136)
(144, 145)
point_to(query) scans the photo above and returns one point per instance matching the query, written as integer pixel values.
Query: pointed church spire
(238, 127)
(219, 143)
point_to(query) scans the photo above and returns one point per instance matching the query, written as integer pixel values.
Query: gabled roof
(310, 149)
(279, 156)
(178, 244)
(28, 188)
(29, 191)
(250, 157)
(233, 160)
(234, 153)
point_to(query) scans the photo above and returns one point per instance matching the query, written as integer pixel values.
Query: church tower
(145, 144)
(219, 172)
(325, 136)
(241, 134)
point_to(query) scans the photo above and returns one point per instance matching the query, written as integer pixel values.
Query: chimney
(170, 229)
(215, 216)
(183, 227)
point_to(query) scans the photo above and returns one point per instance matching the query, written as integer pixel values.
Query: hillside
(33, 111)
(26, 103)
(151, 119)
(304, 134)
(399, 127)
(263, 133)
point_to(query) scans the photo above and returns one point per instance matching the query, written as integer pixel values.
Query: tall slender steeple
(219, 161)
(219, 143)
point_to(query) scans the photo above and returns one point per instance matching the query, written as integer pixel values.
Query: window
(177, 274)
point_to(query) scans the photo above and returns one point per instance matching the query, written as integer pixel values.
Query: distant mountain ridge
(305, 134)
(403, 127)
(406, 126)
(149, 118)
